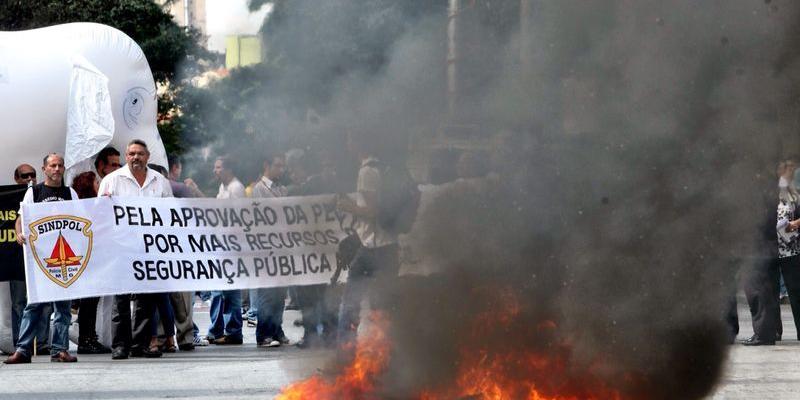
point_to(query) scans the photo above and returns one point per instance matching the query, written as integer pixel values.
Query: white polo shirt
(233, 190)
(122, 183)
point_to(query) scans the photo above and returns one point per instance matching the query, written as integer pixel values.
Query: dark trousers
(761, 288)
(137, 336)
(320, 307)
(790, 268)
(371, 269)
(87, 319)
(269, 314)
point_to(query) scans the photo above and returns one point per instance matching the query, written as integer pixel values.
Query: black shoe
(757, 341)
(119, 354)
(146, 353)
(92, 346)
(186, 347)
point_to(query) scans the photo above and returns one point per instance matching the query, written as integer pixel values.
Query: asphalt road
(247, 372)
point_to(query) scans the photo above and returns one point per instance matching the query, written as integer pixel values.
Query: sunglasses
(28, 175)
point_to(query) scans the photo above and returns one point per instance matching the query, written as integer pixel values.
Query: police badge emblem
(70, 239)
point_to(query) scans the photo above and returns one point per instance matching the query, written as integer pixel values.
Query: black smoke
(633, 144)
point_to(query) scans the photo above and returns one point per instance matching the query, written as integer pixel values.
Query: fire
(483, 373)
(513, 373)
(357, 380)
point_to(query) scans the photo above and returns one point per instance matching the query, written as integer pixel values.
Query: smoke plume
(633, 143)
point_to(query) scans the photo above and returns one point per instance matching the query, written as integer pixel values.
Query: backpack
(398, 199)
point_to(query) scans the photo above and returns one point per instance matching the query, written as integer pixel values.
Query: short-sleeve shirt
(47, 194)
(122, 183)
(233, 190)
(369, 181)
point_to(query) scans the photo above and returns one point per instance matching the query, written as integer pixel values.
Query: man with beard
(107, 161)
(226, 305)
(52, 189)
(134, 180)
(269, 302)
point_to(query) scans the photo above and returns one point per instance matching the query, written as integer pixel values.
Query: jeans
(19, 299)
(255, 300)
(270, 313)
(165, 315)
(369, 268)
(226, 314)
(31, 318)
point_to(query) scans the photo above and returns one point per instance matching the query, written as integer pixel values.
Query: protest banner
(10, 251)
(113, 245)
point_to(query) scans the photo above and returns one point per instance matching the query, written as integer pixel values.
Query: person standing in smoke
(134, 180)
(269, 302)
(226, 305)
(52, 189)
(316, 301)
(761, 285)
(789, 240)
(377, 261)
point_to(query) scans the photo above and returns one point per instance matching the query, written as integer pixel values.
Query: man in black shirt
(52, 189)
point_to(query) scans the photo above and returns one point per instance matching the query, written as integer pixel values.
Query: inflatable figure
(71, 89)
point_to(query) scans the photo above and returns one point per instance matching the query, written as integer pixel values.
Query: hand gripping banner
(114, 245)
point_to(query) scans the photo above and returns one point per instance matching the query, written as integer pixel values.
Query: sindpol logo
(68, 242)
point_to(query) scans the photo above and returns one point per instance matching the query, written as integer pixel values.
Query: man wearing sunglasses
(25, 175)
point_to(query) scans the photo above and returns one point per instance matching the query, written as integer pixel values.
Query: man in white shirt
(377, 261)
(226, 305)
(135, 179)
(269, 302)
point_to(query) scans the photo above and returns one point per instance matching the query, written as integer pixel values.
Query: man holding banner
(52, 189)
(134, 180)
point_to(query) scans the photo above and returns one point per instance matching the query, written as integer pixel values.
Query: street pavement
(247, 372)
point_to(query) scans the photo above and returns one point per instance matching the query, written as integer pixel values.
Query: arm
(368, 210)
(193, 188)
(27, 199)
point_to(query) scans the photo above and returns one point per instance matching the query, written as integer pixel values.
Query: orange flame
(357, 380)
(482, 374)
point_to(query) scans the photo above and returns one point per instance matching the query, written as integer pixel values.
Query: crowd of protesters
(148, 325)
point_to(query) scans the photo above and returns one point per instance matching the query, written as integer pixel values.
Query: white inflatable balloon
(66, 89)
(71, 89)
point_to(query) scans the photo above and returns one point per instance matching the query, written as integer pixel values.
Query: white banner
(114, 245)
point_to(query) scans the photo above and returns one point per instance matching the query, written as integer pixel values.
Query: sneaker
(269, 342)
(199, 341)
